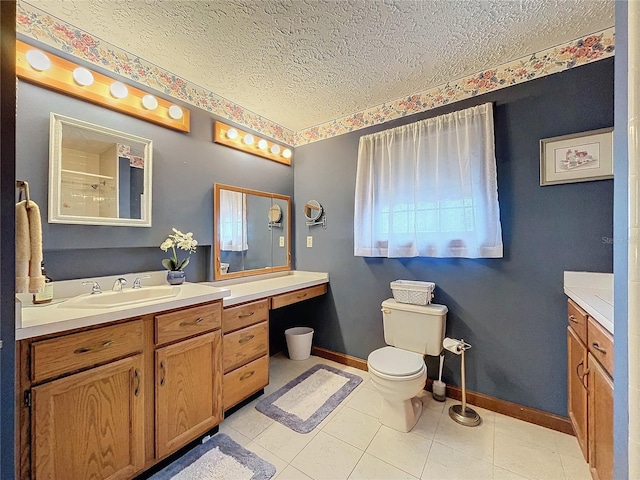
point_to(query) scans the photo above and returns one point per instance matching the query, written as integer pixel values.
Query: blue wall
(512, 310)
(185, 167)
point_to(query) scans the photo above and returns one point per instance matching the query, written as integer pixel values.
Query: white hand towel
(28, 248)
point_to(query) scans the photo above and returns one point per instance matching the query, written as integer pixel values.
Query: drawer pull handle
(163, 372)
(136, 374)
(247, 375)
(302, 295)
(246, 315)
(195, 322)
(573, 319)
(246, 339)
(597, 346)
(107, 344)
(81, 350)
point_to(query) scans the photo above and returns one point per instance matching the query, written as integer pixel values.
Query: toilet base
(401, 415)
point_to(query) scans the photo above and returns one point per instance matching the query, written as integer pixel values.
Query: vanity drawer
(235, 318)
(244, 345)
(600, 345)
(69, 353)
(285, 299)
(188, 322)
(577, 318)
(244, 381)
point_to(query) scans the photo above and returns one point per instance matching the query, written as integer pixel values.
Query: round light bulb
(248, 139)
(275, 149)
(38, 60)
(175, 112)
(262, 144)
(82, 77)
(149, 102)
(119, 90)
(286, 153)
(232, 133)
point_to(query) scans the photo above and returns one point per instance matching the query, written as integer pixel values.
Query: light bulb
(286, 153)
(248, 139)
(175, 112)
(262, 144)
(232, 133)
(83, 77)
(275, 149)
(149, 102)
(119, 90)
(38, 60)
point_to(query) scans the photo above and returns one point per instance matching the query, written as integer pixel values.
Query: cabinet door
(90, 425)
(600, 421)
(577, 369)
(188, 391)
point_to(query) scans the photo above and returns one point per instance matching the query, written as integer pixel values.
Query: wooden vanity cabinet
(590, 401)
(245, 350)
(110, 401)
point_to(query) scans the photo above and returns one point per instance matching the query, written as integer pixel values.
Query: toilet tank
(418, 328)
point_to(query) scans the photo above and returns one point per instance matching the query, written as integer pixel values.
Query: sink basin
(123, 298)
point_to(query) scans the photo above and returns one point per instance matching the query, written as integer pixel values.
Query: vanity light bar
(70, 79)
(248, 142)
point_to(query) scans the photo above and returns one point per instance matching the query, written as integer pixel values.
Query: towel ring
(23, 187)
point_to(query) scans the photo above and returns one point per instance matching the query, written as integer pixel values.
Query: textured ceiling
(304, 62)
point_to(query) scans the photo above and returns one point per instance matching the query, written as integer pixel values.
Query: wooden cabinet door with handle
(188, 391)
(578, 398)
(90, 425)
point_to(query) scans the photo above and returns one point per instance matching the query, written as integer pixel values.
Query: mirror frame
(313, 205)
(57, 123)
(216, 239)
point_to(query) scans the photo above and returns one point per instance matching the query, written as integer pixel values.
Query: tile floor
(351, 444)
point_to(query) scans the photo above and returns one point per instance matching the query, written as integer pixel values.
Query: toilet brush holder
(439, 390)
(462, 414)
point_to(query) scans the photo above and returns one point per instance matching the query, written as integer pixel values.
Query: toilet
(398, 372)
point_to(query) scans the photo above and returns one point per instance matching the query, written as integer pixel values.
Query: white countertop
(594, 293)
(252, 288)
(60, 315)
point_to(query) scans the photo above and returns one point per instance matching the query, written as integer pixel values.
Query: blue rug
(218, 459)
(307, 400)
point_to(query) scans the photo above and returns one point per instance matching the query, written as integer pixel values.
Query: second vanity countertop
(594, 293)
(58, 316)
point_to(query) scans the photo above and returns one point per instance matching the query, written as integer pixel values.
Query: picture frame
(577, 157)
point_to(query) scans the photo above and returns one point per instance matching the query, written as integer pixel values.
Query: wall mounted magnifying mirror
(98, 176)
(244, 243)
(314, 213)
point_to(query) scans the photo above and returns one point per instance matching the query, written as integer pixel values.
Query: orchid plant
(183, 241)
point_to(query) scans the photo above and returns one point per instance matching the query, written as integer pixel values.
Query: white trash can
(299, 342)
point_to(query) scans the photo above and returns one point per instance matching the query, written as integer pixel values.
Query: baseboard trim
(521, 412)
(342, 358)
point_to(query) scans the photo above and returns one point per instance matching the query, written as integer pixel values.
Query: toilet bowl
(398, 375)
(398, 371)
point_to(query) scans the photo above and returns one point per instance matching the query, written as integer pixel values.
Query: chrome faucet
(95, 286)
(117, 285)
(137, 283)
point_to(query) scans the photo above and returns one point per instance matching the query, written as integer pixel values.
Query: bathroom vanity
(590, 367)
(109, 392)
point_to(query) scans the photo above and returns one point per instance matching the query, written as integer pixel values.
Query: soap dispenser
(47, 293)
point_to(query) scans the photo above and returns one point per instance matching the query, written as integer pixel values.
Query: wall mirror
(252, 232)
(98, 176)
(314, 213)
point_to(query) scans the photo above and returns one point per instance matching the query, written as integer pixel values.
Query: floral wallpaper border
(40, 26)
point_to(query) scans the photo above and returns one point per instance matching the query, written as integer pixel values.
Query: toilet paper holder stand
(463, 414)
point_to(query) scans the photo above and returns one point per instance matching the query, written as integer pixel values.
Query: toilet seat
(395, 363)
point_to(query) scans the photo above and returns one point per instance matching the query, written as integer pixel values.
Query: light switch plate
(309, 241)
(281, 241)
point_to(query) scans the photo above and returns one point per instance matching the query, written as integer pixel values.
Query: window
(429, 189)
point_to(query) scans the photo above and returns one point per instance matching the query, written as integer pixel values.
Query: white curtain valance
(429, 189)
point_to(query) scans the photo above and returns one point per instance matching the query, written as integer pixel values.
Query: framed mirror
(312, 210)
(98, 176)
(252, 232)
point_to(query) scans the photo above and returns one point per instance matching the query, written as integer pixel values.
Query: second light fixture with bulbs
(247, 142)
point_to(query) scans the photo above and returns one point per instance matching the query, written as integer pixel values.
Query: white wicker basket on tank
(414, 292)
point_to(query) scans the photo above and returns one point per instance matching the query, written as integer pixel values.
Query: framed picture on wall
(578, 157)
